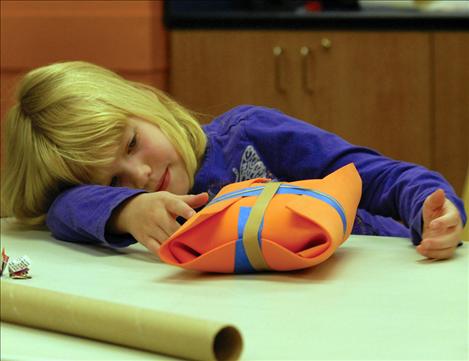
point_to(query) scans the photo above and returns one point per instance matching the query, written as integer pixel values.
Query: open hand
(151, 217)
(442, 227)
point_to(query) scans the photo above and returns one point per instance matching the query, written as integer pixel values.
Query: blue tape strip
(242, 264)
(288, 189)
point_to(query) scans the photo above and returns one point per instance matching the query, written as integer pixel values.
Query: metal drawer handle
(278, 63)
(326, 43)
(306, 56)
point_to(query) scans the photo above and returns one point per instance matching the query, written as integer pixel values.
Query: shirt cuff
(416, 228)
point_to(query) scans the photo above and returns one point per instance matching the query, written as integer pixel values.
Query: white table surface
(376, 298)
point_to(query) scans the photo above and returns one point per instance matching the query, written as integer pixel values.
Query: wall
(126, 36)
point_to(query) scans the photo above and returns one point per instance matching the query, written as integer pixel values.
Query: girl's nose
(137, 175)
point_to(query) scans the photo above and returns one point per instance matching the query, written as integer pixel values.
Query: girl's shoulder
(240, 117)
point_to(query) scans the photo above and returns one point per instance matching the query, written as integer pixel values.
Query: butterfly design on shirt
(251, 166)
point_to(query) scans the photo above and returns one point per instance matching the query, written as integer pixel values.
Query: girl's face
(147, 160)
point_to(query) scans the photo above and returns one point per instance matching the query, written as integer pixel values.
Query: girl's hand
(151, 217)
(442, 227)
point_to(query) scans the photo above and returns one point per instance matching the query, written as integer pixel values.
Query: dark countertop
(340, 20)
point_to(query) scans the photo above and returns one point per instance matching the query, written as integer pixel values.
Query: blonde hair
(67, 123)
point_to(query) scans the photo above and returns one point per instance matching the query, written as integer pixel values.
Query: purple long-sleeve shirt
(249, 142)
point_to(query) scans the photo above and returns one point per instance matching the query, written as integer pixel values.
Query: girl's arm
(119, 216)
(81, 214)
(297, 150)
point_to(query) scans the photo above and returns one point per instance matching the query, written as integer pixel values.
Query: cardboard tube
(126, 325)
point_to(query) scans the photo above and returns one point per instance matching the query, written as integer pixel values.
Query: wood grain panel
(126, 36)
(374, 89)
(8, 85)
(213, 71)
(122, 35)
(158, 79)
(451, 96)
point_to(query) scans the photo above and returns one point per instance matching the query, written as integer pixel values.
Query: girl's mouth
(164, 182)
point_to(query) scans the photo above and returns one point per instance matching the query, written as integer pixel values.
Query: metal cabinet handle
(278, 63)
(326, 43)
(306, 56)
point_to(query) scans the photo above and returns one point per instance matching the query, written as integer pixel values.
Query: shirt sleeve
(80, 214)
(293, 149)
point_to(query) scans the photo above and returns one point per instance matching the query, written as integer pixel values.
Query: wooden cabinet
(375, 89)
(214, 71)
(366, 87)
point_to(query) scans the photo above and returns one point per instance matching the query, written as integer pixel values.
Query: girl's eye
(132, 144)
(114, 182)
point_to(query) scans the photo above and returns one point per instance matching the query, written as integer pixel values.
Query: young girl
(108, 160)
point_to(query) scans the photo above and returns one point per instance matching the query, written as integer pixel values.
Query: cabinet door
(451, 150)
(374, 89)
(213, 71)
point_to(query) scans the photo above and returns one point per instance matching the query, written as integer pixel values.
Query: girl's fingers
(183, 205)
(195, 200)
(447, 241)
(164, 226)
(433, 206)
(169, 226)
(178, 207)
(434, 201)
(156, 233)
(447, 220)
(151, 244)
(436, 254)
(198, 200)
(441, 232)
